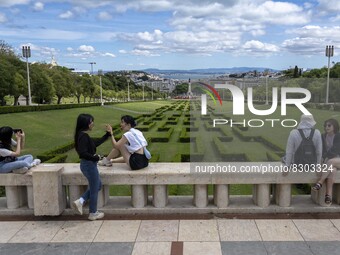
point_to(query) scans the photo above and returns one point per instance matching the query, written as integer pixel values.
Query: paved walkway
(171, 237)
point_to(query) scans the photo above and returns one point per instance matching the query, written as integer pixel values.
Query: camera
(16, 130)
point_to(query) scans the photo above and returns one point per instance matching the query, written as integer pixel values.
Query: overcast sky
(173, 34)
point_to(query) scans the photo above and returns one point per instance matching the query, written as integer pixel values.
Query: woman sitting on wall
(10, 160)
(131, 148)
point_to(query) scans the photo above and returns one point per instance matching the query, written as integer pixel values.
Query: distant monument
(53, 61)
(189, 93)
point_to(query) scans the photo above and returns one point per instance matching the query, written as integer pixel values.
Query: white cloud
(86, 48)
(104, 16)
(66, 15)
(38, 6)
(305, 46)
(329, 6)
(257, 46)
(69, 49)
(122, 51)
(43, 34)
(145, 53)
(327, 33)
(9, 3)
(311, 40)
(3, 18)
(107, 54)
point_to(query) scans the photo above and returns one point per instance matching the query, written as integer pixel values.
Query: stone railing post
(48, 192)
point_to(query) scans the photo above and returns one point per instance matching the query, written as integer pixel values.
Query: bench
(51, 187)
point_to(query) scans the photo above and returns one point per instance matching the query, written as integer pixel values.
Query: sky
(173, 34)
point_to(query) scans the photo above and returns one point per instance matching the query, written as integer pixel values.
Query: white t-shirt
(5, 152)
(134, 145)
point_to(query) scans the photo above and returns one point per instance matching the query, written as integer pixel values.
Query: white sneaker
(96, 216)
(104, 162)
(36, 162)
(22, 170)
(77, 206)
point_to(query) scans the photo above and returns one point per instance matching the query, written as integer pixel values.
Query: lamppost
(267, 89)
(128, 82)
(100, 73)
(92, 63)
(329, 54)
(152, 91)
(26, 53)
(143, 90)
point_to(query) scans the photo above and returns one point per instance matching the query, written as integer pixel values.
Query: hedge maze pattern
(179, 133)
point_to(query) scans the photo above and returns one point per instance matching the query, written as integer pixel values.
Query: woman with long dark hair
(331, 156)
(10, 160)
(86, 149)
(131, 148)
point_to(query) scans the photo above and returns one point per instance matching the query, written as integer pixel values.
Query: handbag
(146, 151)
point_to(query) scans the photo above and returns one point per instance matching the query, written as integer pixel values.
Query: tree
(61, 82)
(19, 87)
(181, 89)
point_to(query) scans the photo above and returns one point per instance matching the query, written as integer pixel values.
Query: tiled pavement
(171, 237)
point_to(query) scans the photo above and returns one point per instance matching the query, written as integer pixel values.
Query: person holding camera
(10, 160)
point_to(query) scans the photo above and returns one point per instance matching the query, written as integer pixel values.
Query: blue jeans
(22, 161)
(90, 171)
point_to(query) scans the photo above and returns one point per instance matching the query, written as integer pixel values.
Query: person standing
(331, 157)
(86, 149)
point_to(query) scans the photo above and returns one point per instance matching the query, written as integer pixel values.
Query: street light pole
(100, 72)
(92, 63)
(266, 89)
(143, 90)
(329, 54)
(128, 81)
(26, 53)
(152, 91)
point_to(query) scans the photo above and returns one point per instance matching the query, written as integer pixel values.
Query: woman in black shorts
(131, 148)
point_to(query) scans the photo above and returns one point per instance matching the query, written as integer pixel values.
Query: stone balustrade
(49, 188)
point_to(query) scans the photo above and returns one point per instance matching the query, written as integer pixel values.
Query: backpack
(306, 152)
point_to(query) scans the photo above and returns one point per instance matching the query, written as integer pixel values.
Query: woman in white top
(10, 160)
(130, 148)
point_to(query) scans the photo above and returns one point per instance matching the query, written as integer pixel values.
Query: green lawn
(49, 129)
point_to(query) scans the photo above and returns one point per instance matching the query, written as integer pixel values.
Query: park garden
(176, 132)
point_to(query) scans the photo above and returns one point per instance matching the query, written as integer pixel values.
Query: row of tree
(49, 82)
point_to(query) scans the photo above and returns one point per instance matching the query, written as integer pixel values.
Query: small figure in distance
(131, 148)
(86, 149)
(10, 160)
(331, 157)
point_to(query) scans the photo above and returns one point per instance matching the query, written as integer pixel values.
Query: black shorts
(138, 161)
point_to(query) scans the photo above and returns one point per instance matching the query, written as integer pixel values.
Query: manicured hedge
(49, 107)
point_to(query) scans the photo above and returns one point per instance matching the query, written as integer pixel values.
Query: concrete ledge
(54, 186)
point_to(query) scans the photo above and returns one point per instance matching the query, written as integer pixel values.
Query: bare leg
(333, 164)
(114, 153)
(118, 160)
(330, 182)
(119, 156)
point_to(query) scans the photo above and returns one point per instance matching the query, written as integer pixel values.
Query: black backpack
(306, 152)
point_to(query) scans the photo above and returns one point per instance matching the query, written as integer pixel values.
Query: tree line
(48, 82)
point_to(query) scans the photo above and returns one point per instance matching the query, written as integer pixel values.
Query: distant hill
(210, 70)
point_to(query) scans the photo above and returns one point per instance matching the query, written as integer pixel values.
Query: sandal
(328, 200)
(317, 186)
